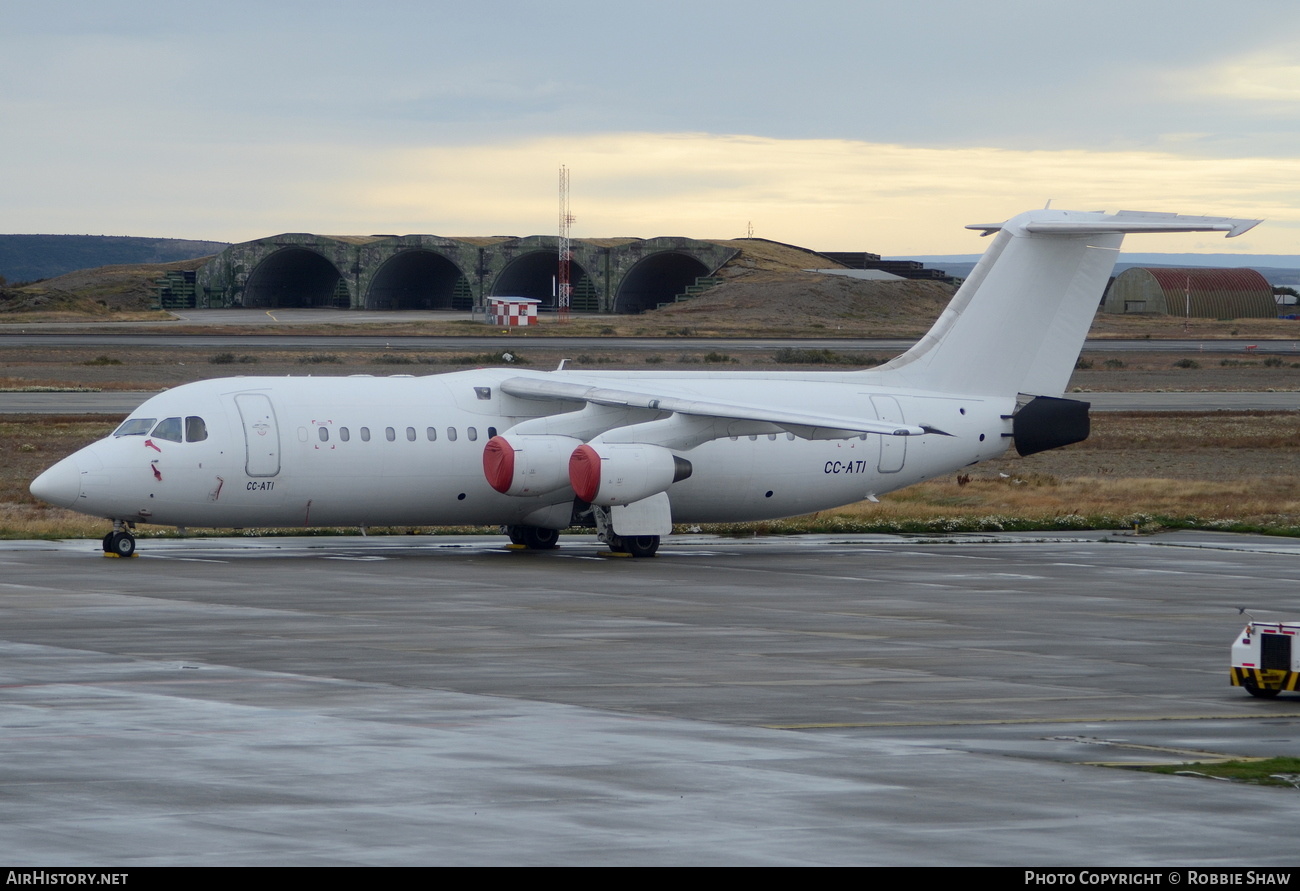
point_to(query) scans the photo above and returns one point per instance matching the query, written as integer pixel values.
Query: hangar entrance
(296, 277)
(533, 275)
(657, 279)
(419, 279)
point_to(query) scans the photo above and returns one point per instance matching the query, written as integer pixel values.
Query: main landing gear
(534, 538)
(632, 545)
(636, 545)
(120, 542)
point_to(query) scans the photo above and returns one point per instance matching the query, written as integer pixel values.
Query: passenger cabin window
(431, 434)
(451, 434)
(492, 431)
(390, 434)
(323, 433)
(365, 434)
(410, 434)
(472, 433)
(344, 434)
(135, 427)
(168, 429)
(195, 429)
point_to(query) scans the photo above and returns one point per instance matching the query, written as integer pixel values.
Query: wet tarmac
(808, 700)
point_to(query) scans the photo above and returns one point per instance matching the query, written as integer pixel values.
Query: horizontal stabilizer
(1125, 221)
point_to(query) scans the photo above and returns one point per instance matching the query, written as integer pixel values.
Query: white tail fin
(1018, 322)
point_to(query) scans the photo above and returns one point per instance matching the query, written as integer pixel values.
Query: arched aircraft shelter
(390, 272)
(657, 279)
(534, 275)
(418, 279)
(295, 277)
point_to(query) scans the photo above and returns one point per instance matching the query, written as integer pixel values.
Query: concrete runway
(810, 700)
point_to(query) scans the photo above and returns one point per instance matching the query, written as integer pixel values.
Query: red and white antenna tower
(564, 286)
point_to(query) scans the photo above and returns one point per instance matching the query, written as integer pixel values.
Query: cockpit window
(168, 429)
(135, 427)
(195, 429)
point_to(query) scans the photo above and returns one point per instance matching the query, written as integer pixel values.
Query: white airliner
(628, 453)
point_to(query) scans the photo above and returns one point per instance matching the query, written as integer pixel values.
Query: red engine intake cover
(499, 464)
(584, 472)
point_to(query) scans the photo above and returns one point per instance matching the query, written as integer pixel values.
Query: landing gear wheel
(108, 543)
(1261, 692)
(516, 534)
(536, 538)
(641, 545)
(122, 544)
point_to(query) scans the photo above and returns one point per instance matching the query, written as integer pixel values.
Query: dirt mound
(766, 287)
(93, 292)
(758, 256)
(776, 299)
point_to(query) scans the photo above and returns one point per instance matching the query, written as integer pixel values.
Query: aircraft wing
(802, 424)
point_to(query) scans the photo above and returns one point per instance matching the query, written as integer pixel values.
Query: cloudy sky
(837, 125)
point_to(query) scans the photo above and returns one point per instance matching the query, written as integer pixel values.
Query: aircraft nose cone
(60, 485)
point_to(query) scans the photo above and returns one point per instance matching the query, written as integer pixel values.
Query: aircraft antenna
(563, 285)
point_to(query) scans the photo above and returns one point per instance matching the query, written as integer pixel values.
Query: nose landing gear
(120, 542)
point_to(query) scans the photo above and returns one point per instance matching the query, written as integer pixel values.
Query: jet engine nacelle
(526, 465)
(609, 474)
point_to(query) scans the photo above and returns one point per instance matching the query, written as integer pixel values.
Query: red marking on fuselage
(149, 444)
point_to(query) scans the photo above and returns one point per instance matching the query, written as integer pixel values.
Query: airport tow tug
(1265, 659)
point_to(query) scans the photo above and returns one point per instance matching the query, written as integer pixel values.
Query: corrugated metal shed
(1199, 291)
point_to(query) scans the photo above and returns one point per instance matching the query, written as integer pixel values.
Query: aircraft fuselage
(377, 451)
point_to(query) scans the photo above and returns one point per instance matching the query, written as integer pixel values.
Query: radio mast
(564, 286)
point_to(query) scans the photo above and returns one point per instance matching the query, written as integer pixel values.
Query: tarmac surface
(803, 700)
(79, 334)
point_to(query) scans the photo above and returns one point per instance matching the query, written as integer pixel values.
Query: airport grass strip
(1283, 772)
(833, 524)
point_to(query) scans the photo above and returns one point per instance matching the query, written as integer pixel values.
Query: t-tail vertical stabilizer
(1017, 324)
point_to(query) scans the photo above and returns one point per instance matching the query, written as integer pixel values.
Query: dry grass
(1040, 497)
(108, 293)
(1194, 431)
(31, 443)
(1129, 327)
